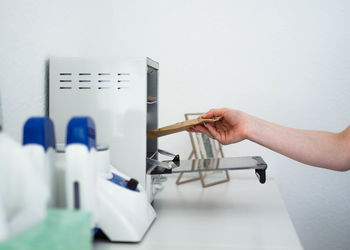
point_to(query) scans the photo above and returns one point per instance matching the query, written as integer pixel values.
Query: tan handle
(180, 126)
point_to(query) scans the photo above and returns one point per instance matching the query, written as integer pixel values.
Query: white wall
(284, 61)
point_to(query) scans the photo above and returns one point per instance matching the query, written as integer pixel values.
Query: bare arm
(316, 148)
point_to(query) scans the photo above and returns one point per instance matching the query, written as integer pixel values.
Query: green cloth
(62, 229)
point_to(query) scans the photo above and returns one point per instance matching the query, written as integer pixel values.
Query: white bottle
(23, 194)
(79, 167)
(39, 144)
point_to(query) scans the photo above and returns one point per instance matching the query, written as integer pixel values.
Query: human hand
(230, 129)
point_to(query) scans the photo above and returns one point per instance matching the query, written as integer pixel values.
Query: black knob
(132, 184)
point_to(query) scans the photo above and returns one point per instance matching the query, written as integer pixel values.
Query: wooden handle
(180, 126)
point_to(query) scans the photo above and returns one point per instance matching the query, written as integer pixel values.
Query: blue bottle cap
(81, 130)
(39, 130)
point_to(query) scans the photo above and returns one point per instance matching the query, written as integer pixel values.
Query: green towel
(61, 230)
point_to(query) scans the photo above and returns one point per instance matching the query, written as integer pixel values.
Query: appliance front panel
(111, 91)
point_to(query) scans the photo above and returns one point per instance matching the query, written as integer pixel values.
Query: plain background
(284, 61)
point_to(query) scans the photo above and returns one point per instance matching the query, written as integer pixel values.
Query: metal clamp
(176, 158)
(167, 166)
(162, 164)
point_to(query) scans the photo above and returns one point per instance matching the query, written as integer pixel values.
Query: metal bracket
(260, 173)
(162, 164)
(166, 166)
(176, 158)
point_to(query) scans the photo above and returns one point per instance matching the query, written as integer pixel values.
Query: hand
(230, 129)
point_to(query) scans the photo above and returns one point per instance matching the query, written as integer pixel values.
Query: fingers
(212, 130)
(201, 129)
(214, 113)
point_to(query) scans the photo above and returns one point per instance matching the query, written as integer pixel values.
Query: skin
(315, 148)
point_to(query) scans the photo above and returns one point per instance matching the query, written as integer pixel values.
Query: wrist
(248, 126)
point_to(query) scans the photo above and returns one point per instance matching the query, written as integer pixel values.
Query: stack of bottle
(29, 188)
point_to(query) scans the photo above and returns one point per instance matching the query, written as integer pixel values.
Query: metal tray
(218, 164)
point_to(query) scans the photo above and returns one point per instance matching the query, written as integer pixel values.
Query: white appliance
(120, 94)
(113, 91)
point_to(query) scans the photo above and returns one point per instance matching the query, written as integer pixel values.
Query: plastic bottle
(80, 170)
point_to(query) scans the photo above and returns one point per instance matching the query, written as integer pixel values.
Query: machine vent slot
(119, 88)
(65, 80)
(104, 74)
(123, 80)
(123, 74)
(104, 80)
(65, 74)
(84, 80)
(85, 74)
(103, 87)
(84, 87)
(65, 87)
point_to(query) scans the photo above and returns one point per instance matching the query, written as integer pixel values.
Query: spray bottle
(39, 144)
(23, 192)
(80, 170)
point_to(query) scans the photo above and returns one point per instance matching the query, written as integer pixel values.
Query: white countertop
(240, 214)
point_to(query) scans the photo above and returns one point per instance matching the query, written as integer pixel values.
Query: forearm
(316, 148)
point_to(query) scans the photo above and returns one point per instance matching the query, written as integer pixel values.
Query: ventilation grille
(93, 81)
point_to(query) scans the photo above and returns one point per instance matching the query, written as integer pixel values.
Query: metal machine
(114, 93)
(121, 95)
